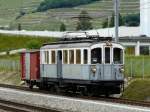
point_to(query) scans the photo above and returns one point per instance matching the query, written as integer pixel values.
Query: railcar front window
(107, 55)
(85, 56)
(78, 56)
(96, 56)
(65, 57)
(71, 56)
(118, 56)
(53, 55)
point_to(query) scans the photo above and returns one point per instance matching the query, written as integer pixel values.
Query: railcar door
(59, 64)
(107, 67)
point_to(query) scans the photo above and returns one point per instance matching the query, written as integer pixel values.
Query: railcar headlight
(93, 69)
(122, 70)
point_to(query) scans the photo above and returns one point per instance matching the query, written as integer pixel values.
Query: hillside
(9, 42)
(52, 18)
(52, 4)
(10, 9)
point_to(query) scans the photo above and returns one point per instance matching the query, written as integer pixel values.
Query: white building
(145, 17)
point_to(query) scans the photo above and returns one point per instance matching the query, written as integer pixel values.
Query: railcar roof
(67, 45)
(72, 44)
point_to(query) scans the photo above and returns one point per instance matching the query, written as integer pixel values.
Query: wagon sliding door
(59, 64)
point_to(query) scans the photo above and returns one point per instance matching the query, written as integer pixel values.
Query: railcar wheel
(55, 89)
(107, 94)
(84, 91)
(90, 94)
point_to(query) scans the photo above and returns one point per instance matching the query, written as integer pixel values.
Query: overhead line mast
(116, 7)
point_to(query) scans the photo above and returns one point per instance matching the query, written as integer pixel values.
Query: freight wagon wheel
(31, 86)
(55, 89)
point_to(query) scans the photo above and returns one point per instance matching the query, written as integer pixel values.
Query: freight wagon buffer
(88, 67)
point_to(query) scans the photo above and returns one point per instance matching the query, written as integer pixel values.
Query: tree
(84, 21)
(51, 4)
(105, 23)
(62, 27)
(132, 20)
(19, 27)
(112, 21)
(121, 20)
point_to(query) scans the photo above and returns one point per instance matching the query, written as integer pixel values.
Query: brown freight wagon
(30, 67)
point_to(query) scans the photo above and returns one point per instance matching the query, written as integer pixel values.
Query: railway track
(17, 107)
(110, 99)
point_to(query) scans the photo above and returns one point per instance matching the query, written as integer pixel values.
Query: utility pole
(116, 7)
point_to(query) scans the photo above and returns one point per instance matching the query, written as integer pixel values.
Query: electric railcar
(91, 67)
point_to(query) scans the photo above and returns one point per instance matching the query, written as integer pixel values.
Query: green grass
(10, 57)
(138, 90)
(9, 42)
(51, 19)
(136, 66)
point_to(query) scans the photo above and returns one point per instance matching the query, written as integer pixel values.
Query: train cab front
(107, 67)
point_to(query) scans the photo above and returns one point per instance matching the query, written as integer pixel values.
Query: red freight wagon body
(34, 65)
(30, 69)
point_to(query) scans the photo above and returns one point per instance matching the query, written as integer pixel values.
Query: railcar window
(71, 56)
(85, 56)
(65, 57)
(53, 57)
(46, 57)
(118, 56)
(107, 55)
(96, 56)
(78, 56)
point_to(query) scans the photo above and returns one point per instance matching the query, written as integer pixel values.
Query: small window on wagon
(46, 57)
(53, 57)
(78, 56)
(71, 56)
(65, 57)
(85, 52)
(118, 56)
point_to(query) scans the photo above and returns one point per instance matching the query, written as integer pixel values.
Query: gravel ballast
(65, 103)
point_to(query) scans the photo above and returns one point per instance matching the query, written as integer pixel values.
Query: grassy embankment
(9, 64)
(139, 89)
(9, 42)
